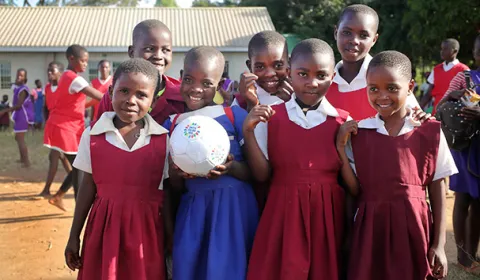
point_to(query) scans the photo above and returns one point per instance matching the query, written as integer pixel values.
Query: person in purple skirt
(466, 184)
(23, 114)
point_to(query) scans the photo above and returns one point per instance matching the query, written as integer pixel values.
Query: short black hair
(75, 51)
(453, 43)
(359, 9)
(59, 65)
(312, 46)
(392, 59)
(265, 39)
(137, 65)
(202, 53)
(37, 81)
(101, 62)
(147, 25)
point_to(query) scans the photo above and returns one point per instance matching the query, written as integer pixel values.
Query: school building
(32, 37)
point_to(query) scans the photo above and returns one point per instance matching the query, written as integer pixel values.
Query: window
(92, 70)
(115, 65)
(5, 75)
(225, 69)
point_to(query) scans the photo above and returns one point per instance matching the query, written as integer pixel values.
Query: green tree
(431, 21)
(203, 3)
(166, 3)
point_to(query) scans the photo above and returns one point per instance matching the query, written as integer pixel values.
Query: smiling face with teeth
(388, 90)
(270, 66)
(356, 34)
(200, 81)
(155, 45)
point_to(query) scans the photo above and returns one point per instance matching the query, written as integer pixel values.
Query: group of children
(323, 157)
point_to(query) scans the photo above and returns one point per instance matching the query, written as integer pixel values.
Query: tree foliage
(414, 27)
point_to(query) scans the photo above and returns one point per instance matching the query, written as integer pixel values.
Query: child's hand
(247, 88)
(177, 172)
(419, 115)
(259, 113)
(438, 262)
(285, 90)
(221, 169)
(72, 257)
(344, 133)
(471, 113)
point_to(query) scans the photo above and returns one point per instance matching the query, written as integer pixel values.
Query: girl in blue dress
(217, 216)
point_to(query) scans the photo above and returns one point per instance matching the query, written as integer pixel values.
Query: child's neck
(54, 83)
(104, 78)
(394, 123)
(349, 70)
(447, 61)
(71, 68)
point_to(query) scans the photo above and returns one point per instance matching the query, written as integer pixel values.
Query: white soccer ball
(198, 144)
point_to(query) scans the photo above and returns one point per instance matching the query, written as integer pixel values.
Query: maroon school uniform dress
(392, 228)
(301, 229)
(124, 235)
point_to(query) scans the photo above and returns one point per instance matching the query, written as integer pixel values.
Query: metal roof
(110, 28)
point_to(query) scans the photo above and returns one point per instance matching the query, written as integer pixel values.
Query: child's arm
(256, 159)
(349, 177)
(248, 90)
(237, 169)
(21, 98)
(168, 216)
(436, 253)
(85, 198)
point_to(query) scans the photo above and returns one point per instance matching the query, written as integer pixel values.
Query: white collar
(105, 124)
(377, 123)
(325, 107)
(453, 62)
(361, 76)
(104, 81)
(261, 91)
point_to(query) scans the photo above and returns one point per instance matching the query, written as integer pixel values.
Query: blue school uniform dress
(468, 161)
(216, 219)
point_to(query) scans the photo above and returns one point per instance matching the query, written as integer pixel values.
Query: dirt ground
(33, 233)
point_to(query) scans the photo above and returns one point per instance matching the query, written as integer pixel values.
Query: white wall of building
(37, 63)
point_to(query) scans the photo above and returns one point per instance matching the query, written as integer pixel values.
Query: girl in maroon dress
(389, 163)
(123, 155)
(293, 143)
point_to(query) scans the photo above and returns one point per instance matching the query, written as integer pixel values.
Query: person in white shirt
(292, 145)
(124, 157)
(388, 162)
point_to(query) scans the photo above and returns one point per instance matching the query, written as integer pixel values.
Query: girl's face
(311, 76)
(388, 90)
(80, 63)
(355, 35)
(270, 65)
(53, 73)
(132, 96)
(104, 70)
(21, 77)
(199, 83)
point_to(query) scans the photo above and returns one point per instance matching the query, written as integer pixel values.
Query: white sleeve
(430, 78)
(83, 160)
(412, 102)
(445, 165)
(77, 85)
(261, 134)
(165, 166)
(349, 153)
